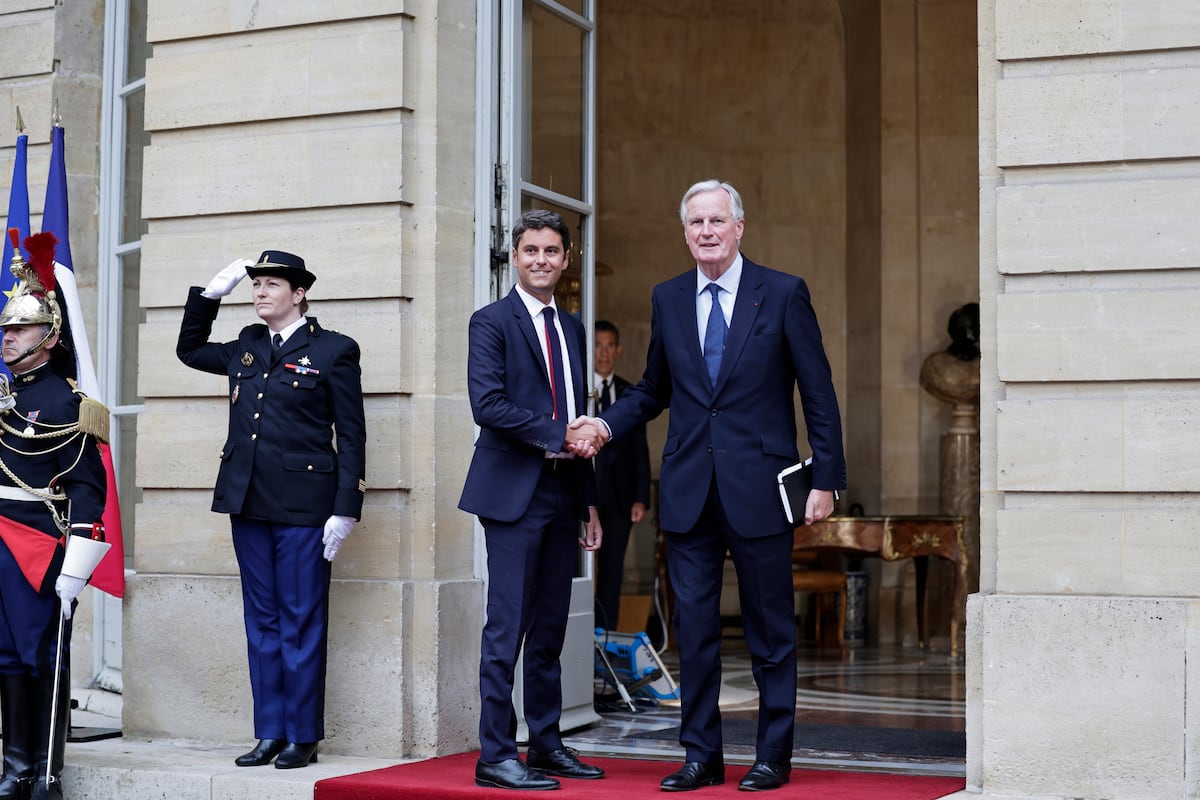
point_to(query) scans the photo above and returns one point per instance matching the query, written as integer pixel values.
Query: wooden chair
(823, 584)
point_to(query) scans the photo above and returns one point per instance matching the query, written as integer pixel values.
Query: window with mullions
(122, 140)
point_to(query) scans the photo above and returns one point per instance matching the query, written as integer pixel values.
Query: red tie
(558, 384)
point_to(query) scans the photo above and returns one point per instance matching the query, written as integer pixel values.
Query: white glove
(227, 279)
(67, 589)
(336, 530)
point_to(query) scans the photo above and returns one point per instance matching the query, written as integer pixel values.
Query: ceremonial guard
(52, 491)
(295, 390)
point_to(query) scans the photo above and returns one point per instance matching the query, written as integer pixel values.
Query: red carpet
(453, 778)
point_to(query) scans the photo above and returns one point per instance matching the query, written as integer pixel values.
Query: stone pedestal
(956, 380)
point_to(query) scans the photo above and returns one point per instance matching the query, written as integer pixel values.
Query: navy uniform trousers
(285, 601)
(28, 624)
(529, 573)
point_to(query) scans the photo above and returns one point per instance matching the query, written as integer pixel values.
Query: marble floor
(881, 687)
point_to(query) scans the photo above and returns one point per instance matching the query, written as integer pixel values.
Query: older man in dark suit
(730, 341)
(525, 378)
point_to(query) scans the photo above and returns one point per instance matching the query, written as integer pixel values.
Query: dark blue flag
(18, 217)
(55, 217)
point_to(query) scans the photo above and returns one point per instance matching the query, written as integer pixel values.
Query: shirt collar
(728, 280)
(534, 306)
(287, 332)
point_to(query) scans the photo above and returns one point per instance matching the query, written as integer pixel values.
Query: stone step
(116, 769)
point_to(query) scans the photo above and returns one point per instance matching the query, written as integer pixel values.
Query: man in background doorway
(622, 482)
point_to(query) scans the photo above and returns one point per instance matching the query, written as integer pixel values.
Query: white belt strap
(17, 493)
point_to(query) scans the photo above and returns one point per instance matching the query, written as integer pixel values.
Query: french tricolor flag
(109, 576)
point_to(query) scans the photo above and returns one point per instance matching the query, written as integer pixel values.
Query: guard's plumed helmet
(33, 300)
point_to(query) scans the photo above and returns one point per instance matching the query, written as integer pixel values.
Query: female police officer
(294, 388)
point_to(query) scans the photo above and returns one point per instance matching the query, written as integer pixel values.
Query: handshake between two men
(586, 435)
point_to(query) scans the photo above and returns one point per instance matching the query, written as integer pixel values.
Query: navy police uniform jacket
(279, 463)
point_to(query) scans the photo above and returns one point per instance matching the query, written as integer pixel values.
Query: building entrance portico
(906, 157)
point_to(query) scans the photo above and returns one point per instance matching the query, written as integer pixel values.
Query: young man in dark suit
(730, 341)
(525, 365)
(622, 481)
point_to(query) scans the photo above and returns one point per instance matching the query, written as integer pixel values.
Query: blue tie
(558, 383)
(714, 335)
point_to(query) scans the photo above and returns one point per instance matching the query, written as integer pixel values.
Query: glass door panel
(554, 51)
(546, 160)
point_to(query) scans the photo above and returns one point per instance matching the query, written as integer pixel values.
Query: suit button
(310, 467)
(709, 448)
(254, 436)
(714, 412)
(257, 415)
(265, 374)
(260, 395)
(295, 384)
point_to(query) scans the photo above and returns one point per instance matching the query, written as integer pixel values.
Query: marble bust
(952, 374)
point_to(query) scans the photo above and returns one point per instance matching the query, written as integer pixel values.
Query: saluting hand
(224, 281)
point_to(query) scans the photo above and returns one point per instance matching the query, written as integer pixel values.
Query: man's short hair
(735, 199)
(605, 325)
(537, 219)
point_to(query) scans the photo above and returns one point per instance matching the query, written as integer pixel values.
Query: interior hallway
(867, 687)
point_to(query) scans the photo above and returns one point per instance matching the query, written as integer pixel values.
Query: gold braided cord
(75, 463)
(70, 431)
(52, 428)
(33, 490)
(49, 498)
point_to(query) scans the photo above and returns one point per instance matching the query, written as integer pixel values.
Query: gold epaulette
(93, 415)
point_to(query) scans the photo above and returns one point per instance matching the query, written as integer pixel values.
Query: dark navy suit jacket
(510, 398)
(623, 468)
(744, 429)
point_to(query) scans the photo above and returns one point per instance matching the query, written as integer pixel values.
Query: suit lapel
(262, 349)
(531, 331)
(296, 341)
(745, 310)
(576, 359)
(685, 313)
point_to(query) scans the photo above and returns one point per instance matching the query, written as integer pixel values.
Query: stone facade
(345, 132)
(342, 132)
(1081, 665)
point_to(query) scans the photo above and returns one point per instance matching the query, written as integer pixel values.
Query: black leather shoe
(297, 754)
(766, 775)
(263, 753)
(693, 775)
(512, 773)
(562, 763)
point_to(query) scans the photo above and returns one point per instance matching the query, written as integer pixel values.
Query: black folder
(795, 483)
